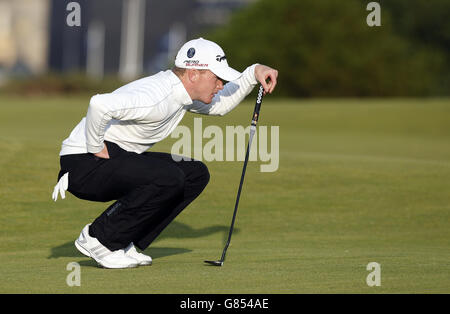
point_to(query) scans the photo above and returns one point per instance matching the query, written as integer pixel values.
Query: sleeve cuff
(94, 149)
(251, 74)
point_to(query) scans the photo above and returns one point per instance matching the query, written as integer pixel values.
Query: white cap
(204, 54)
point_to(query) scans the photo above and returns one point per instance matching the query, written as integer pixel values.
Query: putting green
(358, 181)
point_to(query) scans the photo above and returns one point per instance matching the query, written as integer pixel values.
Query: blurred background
(321, 48)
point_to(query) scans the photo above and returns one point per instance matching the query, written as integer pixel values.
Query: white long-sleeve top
(145, 111)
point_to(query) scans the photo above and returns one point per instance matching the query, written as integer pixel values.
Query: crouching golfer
(105, 157)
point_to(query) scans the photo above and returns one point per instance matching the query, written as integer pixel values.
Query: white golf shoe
(141, 258)
(91, 247)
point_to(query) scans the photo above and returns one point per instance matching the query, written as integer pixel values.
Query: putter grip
(259, 99)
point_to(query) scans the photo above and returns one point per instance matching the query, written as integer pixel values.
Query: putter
(252, 132)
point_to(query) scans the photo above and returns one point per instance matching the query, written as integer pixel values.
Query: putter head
(215, 263)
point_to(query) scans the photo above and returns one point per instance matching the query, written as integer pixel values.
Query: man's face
(208, 85)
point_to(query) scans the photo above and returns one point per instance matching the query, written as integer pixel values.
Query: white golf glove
(61, 187)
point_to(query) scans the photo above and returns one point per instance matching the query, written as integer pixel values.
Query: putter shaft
(252, 133)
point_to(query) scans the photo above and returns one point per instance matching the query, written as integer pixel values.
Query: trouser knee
(202, 172)
(174, 181)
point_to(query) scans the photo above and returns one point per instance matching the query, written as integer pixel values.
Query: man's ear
(193, 75)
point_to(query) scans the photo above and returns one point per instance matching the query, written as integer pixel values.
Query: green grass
(358, 181)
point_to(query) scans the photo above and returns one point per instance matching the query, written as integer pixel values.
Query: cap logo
(220, 58)
(191, 52)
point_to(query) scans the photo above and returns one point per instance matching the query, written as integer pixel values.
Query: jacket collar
(180, 94)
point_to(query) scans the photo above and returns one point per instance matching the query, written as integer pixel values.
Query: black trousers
(150, 190)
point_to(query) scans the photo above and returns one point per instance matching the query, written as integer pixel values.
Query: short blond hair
(178, 71)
